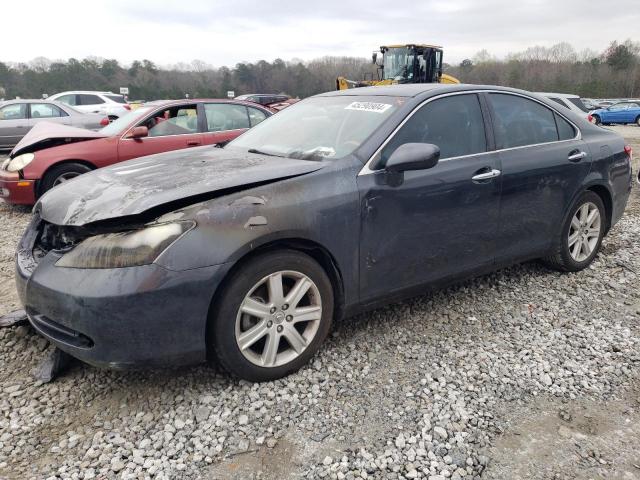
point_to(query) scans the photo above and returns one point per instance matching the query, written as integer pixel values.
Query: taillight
(590, 118)
(127, 106)
(628, 150)
(104, 122)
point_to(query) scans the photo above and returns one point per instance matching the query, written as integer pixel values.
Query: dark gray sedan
(17, 117)
(340, 203)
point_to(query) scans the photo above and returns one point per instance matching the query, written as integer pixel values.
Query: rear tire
(60, 174)
(258, 328)
(596, 120)
(638, 121)
(581, 235)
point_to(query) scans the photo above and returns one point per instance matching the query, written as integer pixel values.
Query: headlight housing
(125, 249)
(19, 162)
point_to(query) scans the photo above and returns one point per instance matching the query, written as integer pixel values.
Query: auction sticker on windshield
(368, 106)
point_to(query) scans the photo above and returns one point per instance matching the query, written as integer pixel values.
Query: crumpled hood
(133, 187)
(44, 134)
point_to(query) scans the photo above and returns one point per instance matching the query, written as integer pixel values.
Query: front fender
(321, 207)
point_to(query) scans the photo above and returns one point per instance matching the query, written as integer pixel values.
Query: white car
(572, 102)
(110, 104)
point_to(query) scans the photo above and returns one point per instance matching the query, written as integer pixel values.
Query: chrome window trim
(366, 169)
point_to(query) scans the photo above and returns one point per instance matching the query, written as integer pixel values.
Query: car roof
(169, 103)
(416, 90)
(561, 95)
(93, 92)
(30, 100)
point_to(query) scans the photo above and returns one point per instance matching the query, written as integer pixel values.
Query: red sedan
(52, 154)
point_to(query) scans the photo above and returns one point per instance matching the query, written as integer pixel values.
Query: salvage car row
(52, 153)
(244, 251)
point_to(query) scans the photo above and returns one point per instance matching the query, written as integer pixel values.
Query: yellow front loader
(403, 64)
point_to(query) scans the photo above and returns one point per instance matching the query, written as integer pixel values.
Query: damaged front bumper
(118, 318)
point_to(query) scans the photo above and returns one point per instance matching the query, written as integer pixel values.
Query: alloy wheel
(584, 232)
(64, 178)
(278, 319)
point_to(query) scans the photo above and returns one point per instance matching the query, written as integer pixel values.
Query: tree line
(613, 73)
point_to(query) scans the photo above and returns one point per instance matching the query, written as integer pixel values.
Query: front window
(319, 127)
(455, 124)
(178, 120)
(46, 110)
(398, 64)
(68, 99)
(118, 126)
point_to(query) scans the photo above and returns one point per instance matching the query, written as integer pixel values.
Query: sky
(226, 32)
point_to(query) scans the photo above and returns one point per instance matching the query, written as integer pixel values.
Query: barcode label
(368, 106)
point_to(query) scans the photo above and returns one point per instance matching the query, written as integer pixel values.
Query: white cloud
(225, 32)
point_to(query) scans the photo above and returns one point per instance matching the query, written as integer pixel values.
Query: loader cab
(409, 63)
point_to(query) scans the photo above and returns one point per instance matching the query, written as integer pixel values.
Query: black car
(338, 204)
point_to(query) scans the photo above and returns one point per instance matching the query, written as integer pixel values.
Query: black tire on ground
(221, 328)
(638, 121)
(55, 173)
(560, 258)
(596, 120)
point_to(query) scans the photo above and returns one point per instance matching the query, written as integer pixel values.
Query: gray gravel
(470, 382)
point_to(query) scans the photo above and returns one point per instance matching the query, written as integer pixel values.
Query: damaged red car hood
(185, 176)
(46, 134)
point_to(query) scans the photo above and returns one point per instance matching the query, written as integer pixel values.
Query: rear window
(116, 98)
(558, 101)
(578, 103)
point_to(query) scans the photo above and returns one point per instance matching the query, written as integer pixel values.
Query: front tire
(271, 316)
(581, 235)
(60, 174)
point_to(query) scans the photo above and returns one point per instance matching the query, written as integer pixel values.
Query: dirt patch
(578, 439)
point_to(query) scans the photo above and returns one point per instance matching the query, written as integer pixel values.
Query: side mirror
(378, 58)
(138, 132)
(413, 156)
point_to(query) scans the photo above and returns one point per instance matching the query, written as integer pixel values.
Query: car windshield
(117, 126)
(319, 127)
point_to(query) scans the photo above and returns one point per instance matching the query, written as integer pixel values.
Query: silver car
(17, 117)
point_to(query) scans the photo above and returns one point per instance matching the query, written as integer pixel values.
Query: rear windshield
(578, 103)
(116, 98)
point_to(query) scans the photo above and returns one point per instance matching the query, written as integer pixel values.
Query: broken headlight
(19, 162)
(125, 249)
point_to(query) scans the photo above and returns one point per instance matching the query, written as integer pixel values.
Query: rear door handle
(193, 143)
(577, 156)
(486, 175)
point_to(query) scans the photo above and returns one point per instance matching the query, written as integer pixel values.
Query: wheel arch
(315, 250)
(607, 199)
(57, 164)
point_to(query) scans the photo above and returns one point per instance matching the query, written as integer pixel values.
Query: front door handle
(193, 143)
(486, 175)
(576, 156)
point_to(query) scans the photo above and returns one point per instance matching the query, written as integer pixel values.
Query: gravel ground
(525, 373)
